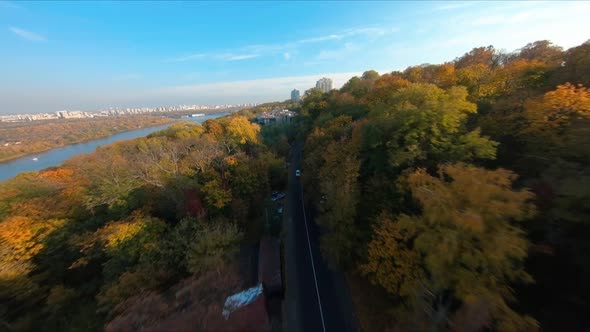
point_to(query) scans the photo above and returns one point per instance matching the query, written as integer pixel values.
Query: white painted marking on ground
(315, 279)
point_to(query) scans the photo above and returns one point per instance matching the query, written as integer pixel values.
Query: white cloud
(218, 56)
(320, 39)
(9, 4)
(455, 5)
(231, 57)
(250, 90)
(338, 53)
(368, 32)
(521, 12)
(488, 20)
(27, 34)
(258, 50)
(187, 57)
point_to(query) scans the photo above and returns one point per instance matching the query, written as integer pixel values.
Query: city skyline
(87, 56)
(342, 79)
(324, 84)
(295, 95)
(70, 114)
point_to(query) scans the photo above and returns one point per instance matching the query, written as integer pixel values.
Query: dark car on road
(277, 196)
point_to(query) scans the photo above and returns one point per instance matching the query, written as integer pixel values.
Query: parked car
(277, 196)
(297, 173)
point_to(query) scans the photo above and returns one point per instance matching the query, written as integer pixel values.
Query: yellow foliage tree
(558, 122)
(242, 130)
(464, 245)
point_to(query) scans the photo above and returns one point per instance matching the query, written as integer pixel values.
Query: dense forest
(457, 196)
(99, 238)
(454, 196)
(18, 139)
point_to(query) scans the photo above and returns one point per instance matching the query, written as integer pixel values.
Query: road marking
(315, 279)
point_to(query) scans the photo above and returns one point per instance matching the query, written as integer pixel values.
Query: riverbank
(57, 156)
(19, 140)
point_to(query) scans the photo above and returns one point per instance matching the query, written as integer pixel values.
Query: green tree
(424, 125)
(576, 66)
(214, 245)
(360, 87)
(215, 194)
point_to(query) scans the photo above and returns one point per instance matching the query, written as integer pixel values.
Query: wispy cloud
(369, 32)
(28, 35)
(260, 88)
(219, 56)
(187, 57)
(540, 14)
(455, 5)
(9, 4)
(335, 54)
(488, 20)
(502, 24)
(231, 57)
(257, 90)
(287, 49)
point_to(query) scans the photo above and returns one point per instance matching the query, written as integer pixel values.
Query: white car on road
(297, 173)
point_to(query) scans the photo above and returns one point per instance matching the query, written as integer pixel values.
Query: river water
(56, 157)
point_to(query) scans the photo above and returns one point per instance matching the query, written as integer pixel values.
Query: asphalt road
(316, 297)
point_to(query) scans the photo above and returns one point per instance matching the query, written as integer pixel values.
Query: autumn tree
(441, 75)
(542, 51)
(180, 130)
(109, 174)
(487, 56)
(517, 75)
(214, 245)
(424, 125)
(464, 249)
(121, 243)
(559, 119)
(359, 87)
(334, 130)
(385, 87)
(576, 66)
(242, 130)
(557, 153)
(340, 195)
(313, 102)
(472, 77)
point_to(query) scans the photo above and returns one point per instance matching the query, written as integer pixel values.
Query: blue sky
(88, 55)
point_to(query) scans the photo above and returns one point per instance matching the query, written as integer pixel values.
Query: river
(56, 157)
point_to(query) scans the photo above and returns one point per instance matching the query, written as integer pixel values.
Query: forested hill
(97, 238)
(459, 190)
(455, 197)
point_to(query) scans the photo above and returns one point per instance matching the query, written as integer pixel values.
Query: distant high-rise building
(295, 96)
(324, 84)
